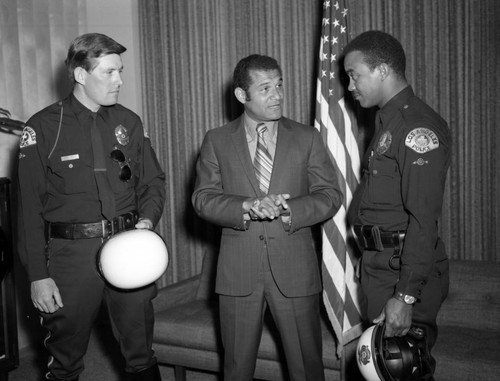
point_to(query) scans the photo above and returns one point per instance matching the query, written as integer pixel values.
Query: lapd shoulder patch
(422, 140)
(28, 138)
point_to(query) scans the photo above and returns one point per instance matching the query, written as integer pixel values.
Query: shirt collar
(399, 100)
(251, 125)
(81, 111)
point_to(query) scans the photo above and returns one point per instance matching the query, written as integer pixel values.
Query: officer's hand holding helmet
(402, 358)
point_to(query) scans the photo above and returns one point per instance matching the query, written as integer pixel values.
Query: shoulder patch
(28, 138)
(422, 140)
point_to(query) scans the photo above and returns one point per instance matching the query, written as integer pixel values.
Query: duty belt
(370, 237)
(102, 229)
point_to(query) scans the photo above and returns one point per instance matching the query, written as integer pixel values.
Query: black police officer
(404, 270)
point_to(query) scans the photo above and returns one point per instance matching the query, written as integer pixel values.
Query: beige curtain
(452, 63)
(190, 48)
(33, 44)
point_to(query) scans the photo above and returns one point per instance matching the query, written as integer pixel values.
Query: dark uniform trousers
(72, 262)
(297, 320)
(378, 280)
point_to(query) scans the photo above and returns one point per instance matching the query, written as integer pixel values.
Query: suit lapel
(240, 143)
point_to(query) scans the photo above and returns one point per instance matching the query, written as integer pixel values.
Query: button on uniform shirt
(403, 182)
(56, 176)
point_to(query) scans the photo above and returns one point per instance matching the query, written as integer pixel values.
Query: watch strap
(408, 299)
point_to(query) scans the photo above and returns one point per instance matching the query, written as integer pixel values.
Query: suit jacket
(226, 177)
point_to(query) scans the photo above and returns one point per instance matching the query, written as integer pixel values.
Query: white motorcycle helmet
(133, 259)
(393, 358)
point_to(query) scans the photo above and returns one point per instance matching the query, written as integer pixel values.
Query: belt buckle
(105, 230)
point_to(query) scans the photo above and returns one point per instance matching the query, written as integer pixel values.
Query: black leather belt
(102, 229)
(370, 237)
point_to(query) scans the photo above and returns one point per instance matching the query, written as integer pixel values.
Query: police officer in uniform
(86, 172)
(404, 270)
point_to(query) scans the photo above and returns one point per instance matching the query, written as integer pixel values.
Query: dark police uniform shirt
(403, 182)
(56, 175)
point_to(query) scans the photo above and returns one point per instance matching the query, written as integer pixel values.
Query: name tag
(70, 157)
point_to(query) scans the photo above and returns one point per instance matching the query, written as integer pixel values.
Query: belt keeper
(71, 230)
(401, 238)
(121, 222)
(48, 234)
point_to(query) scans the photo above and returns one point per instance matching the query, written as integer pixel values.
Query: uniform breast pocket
(384, 186)
(135, 168)
(71, 177)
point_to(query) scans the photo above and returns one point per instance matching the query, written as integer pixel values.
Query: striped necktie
(263, 161)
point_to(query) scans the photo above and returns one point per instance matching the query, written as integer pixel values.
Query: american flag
(339, 130)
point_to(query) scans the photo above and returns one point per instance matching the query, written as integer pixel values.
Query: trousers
(378, 281)
(72, 265)
(297, 320)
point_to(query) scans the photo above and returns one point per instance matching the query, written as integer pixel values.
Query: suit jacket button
(261, 237)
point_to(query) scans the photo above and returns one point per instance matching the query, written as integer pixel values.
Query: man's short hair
(377, 48)
(86, 48)
(241, 75)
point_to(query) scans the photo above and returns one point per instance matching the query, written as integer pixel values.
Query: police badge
(384, 143)
(122, 135)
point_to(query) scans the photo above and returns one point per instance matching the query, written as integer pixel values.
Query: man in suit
(267, 190)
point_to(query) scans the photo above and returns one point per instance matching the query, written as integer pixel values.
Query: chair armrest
(177, 293)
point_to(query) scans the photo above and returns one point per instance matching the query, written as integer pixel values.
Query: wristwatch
(408, 299)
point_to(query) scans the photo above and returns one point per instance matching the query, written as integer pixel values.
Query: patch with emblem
(364, 354)
(422, 140)
(28, 138)
(122, 135)
(384, 143)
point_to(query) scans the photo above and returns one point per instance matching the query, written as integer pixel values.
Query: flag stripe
(338, 128)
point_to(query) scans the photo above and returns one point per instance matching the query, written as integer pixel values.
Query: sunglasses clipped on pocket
(125, 171)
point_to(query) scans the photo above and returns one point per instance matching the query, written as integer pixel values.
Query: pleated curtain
(190, 49)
